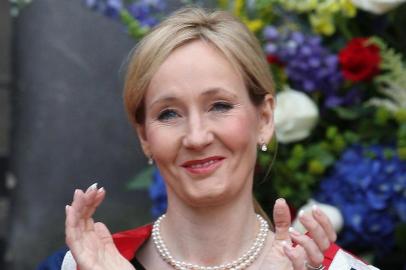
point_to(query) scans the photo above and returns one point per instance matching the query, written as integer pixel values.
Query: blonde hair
(219, 28)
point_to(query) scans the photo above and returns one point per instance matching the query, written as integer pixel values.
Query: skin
(198, 107)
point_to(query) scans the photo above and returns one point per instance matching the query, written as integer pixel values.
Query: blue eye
(221, 107)
(167, 114)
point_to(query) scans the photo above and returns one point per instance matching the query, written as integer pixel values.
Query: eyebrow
(208, 92)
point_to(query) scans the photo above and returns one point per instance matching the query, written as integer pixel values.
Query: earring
(150, 161)
(264, 147)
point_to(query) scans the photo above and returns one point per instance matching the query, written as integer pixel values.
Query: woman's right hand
(90, 243)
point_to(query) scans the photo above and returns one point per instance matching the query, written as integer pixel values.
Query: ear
(140, 128)
(266, 121)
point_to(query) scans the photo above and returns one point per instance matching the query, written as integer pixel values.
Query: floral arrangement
(341, 66)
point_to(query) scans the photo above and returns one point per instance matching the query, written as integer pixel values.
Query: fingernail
(281, 200)
(93, 187)
(316, 209)
(301, 213)
(293, 231)
(285, 243)
(67, 207)
(76, 192)
(100, 190)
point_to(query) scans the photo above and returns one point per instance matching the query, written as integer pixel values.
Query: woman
(200, 96)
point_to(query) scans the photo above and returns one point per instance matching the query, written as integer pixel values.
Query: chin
(209, 198)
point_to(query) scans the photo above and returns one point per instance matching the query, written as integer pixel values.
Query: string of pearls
(239, 264)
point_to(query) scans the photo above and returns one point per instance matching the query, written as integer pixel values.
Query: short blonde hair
(224, 31)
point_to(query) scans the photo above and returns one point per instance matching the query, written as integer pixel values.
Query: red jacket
(128, 242)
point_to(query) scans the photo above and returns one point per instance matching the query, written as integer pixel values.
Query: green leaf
(345, 113)
(142, 180)
(400, 236)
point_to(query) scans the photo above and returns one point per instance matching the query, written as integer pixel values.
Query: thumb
(282, 219)
(103, 233)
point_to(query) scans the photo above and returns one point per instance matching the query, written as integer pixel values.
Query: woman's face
(201, 127)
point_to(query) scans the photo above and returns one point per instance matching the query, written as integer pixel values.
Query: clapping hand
(90, 243)
(308, 253)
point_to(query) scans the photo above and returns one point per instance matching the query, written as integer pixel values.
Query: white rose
(295, 116)
(377, 6)
(332, 212)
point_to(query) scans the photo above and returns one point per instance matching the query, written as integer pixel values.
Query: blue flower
(157, 193)
(370, 190)
(110, 8)
(145, 11)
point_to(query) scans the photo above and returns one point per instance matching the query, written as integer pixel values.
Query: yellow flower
(253, 25)
(238, 7)
(322, 24)
(330, 7)
(348, 8)
(223, 3)
(315, 167)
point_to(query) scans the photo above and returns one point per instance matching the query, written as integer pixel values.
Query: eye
(221, 106)
(167, 115)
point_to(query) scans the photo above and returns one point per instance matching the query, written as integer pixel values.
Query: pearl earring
(150, 161)
(264, 147)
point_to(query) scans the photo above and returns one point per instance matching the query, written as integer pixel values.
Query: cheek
(163, 143)
(240, 132)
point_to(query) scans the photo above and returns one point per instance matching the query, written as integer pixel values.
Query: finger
(282, 219)
(91, 200)
(94, 201)
(72, 230)
(79, 208)
(313, 253)
(316, 231)
(325, 223)
(78, 202)
(296, 255)
(103, 233)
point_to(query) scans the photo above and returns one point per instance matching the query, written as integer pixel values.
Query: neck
(211, 235)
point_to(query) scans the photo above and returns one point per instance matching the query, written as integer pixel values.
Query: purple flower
(369, 189)
(270, 32)
(145, 11)
(308, 65)
(110, 8)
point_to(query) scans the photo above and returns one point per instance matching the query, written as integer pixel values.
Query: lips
(203, 166)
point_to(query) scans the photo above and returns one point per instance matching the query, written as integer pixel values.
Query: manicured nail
(316, 209)
(67, 208)
(293, 231)
(93, 187)
(76, 192)
(301, 213)
(281, 200)
(100, 190)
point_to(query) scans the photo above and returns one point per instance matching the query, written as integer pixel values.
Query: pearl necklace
(239, 264)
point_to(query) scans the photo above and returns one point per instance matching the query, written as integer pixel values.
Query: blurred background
(340, 75)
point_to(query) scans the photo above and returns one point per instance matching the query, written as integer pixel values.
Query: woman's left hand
(308, 249)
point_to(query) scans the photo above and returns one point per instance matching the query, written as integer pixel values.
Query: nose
(198, 134)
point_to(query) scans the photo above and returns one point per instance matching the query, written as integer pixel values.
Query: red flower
(359, 60)
(273, 59)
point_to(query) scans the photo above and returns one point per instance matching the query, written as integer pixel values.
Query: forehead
(195, 66)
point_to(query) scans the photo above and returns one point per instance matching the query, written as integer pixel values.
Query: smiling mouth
(203, 166)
